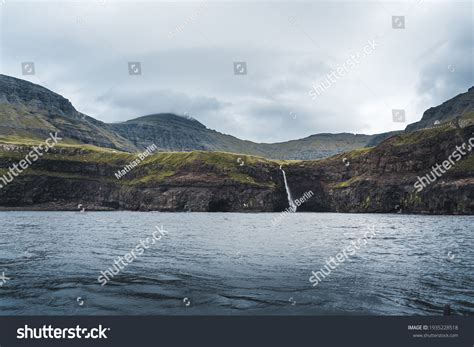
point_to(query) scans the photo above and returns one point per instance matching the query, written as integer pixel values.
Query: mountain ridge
(30, 110)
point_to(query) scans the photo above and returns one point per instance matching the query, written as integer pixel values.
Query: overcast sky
(81, 50)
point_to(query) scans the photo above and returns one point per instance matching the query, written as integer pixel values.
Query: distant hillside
(176, 133)
(376, 139)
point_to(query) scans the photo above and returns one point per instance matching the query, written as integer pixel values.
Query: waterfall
(288, 193)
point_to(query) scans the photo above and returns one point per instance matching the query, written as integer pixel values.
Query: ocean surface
(234, 263)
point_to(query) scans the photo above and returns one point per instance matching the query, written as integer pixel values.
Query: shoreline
(105, 209)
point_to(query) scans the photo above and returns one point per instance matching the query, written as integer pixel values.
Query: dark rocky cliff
(196, 181)
(382, 179)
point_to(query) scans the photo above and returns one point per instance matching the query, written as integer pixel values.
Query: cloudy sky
(187, 52)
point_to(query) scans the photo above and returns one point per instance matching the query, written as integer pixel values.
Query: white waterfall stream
(288, 192)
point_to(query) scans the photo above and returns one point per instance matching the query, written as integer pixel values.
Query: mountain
(170, 132)
(30, 111)
(434, 116)
(447, 111)
(177, 133)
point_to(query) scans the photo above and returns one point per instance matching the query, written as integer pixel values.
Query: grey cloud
(451, 71)
(127, 104)
(81, 50)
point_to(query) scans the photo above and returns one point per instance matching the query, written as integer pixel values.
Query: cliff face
(380, 179)
(197, 181)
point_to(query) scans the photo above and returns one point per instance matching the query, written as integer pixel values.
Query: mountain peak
(20, 92)
(166, 118)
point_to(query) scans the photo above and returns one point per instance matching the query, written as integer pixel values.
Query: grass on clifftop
(24, 138)
(419, 135)
(165, 164)
(352, 154)
(94, 153)
(222, 160)
(155, 168)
